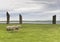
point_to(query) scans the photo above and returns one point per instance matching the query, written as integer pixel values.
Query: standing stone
(20, 19)
(54, 19)
(8, 17)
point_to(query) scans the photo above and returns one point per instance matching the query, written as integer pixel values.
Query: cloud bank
(31, 9)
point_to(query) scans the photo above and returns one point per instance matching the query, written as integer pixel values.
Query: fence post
(20, 19)
(8, 17)
(54, 19)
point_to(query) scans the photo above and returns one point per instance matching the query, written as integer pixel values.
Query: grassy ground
(31, 33)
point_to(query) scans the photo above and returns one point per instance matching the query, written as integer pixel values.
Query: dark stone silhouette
(54, 19)
(20, 19)
(8, 17)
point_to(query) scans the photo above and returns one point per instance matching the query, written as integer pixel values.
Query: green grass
(31, 33)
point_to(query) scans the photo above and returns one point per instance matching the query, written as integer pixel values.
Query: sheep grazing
(13, 28)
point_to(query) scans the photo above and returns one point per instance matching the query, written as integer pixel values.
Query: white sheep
(12, 28)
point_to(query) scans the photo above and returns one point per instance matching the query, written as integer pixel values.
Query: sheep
(10, 28)
(13, 28)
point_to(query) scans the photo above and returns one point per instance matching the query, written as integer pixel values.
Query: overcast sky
(30, 9)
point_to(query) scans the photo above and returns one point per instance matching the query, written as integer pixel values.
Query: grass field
(31, 33)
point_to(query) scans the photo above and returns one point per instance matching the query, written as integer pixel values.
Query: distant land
(30, 20)
(33, 22)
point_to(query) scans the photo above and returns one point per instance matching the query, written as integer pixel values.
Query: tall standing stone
(20, 19)
(8, 17)
(54, 19)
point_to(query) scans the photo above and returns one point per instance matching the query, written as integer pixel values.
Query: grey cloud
(49, 4)
(45, 0)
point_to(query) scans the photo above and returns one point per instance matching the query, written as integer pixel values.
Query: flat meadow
(31, 33)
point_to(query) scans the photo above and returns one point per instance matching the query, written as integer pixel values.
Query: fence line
(8, 18)
(20, 18)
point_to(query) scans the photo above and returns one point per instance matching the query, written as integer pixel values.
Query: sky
(30, 9)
